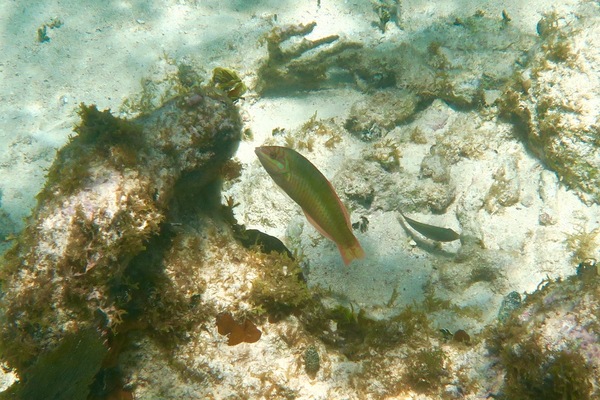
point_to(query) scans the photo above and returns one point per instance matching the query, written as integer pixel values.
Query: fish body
(431, 231)
(307, 186)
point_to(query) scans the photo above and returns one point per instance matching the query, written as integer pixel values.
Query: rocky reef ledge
(107, 195)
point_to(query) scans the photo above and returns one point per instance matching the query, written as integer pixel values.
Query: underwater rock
(549, 348)
(374, 116)
(370, 185)
(456, 62)
(106, 195)
(555, 99)
(505, 190)
(436, 167)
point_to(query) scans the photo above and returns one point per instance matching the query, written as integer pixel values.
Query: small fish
(431, 231)
(307, 186)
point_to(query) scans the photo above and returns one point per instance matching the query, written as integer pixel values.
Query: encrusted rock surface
(549, 348)
(460, 61)
(380, 113)
(556, 99)
(105, 197)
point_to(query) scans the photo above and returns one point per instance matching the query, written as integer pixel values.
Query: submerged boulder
(105, 197)
(555, 99)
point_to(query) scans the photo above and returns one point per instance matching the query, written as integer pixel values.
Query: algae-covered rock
(556, 99)
(457, 61)
(106, 195)
(380, 112)
(549, 347)
(286, 67)
(505, 190)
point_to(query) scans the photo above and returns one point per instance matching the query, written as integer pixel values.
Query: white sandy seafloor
(102, 51)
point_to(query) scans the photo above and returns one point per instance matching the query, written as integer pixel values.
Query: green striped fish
(307, 186)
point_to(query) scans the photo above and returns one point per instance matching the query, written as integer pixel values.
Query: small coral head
(273, 159)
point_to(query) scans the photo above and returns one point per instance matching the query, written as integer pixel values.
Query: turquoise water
(133, 270)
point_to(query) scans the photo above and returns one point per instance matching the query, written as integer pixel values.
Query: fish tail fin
(352, 252)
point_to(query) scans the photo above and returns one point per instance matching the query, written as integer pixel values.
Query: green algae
(533, 368)
(425, 370)
(65, 372)
(280, 287)
(99, 136)
(229, 82)
(536, 373)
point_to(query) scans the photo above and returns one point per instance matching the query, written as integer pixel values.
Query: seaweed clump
(229, 82)
(425, 370)
(376, 344)
(583, 245)
(358, 336)
(280, 288)
(100, 137)
(534, 373)
(548, 349)
(65, 372)
(237, 332)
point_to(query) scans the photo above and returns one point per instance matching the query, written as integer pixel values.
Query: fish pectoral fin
(317, 226)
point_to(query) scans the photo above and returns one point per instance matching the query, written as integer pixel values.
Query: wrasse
(307, 186)
(431, 231)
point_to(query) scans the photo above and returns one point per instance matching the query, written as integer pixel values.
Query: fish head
(273, 159)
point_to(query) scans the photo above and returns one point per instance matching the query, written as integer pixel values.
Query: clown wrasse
(307, 186)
